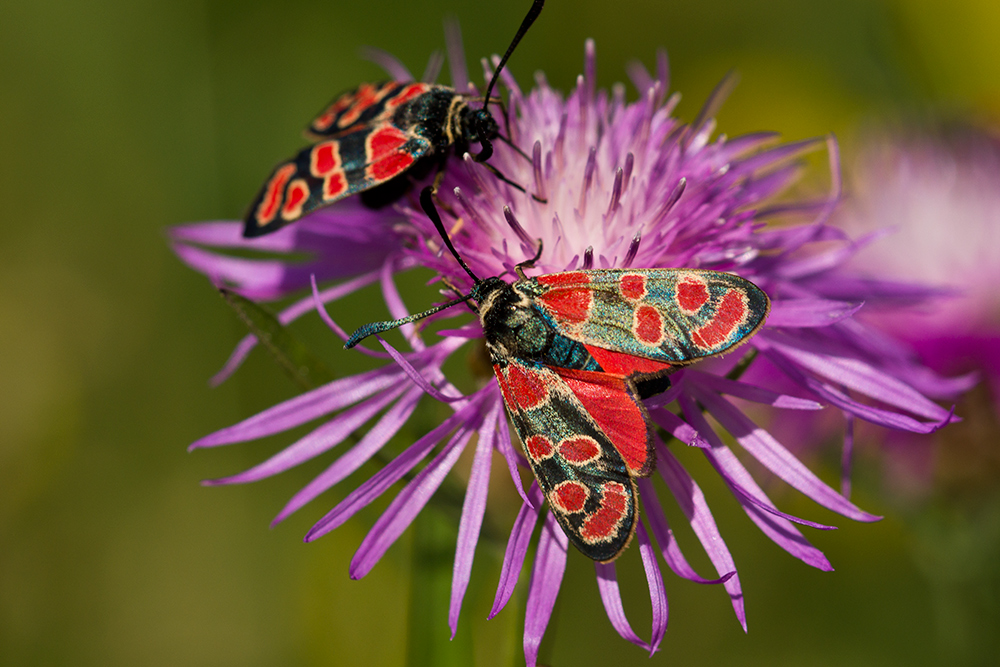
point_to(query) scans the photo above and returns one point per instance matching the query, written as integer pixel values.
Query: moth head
(482, 125)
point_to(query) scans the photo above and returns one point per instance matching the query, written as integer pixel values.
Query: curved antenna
(536, 9)
(427, 203)
(380, 327)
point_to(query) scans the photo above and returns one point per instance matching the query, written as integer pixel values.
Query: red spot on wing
(617, 412)
(539, 447)
(579, 450)
(632, 286)
(411, 92)
(295, 196)
(731, 313)
(334, 186)
(325, 119)
(563, 279)
(648, 327)
(524, 389)
(569, 497)
(365, 96)
(692, 293)
(571, 306)
(384, 155)
(324, 158)
(390, 166)
(384, 141)
(271, 200)
(604, 523)
(621, 363)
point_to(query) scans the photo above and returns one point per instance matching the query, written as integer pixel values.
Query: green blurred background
(118, 119)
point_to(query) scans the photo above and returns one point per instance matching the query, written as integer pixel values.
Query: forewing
(585, 480)
(673, 316)
(331, 170)
(365, 105)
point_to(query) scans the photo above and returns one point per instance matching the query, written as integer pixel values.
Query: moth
(575, 353)
(369, 139)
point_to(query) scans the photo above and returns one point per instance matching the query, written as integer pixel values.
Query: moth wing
(672, 316)
(584, 478)
(613, 403)
(330, 170)
(368, 104)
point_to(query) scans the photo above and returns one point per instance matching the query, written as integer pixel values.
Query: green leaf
(292, 356)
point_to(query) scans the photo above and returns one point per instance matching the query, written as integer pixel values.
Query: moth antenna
(536, 9)
(427, 203)
(378, 327)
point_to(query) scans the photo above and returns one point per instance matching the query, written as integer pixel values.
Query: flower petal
(692, 502)
(473, 510)
(809, 312)
(376, 485)
(305, 407)
(415, 375)
(607, 585)
(780, 530)
(763, 447)
(874, 415)
(325, 437)
(852, 373)
(546, 578)
(751, 392)
(669, 547)
(657, 593)
(406, 506)
(517, 548)
(376, 437)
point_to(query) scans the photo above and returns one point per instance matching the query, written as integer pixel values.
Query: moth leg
(528, 263)
(438, 178)
(514, 184)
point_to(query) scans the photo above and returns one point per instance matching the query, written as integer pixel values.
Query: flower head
(608, 183)
(932, 188)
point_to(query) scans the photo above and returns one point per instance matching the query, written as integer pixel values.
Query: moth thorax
(455, 123)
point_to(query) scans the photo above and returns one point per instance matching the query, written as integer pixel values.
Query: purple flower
(623, 184)
(934, 189)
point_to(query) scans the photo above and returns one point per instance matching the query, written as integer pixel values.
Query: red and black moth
(575, 354)
(368, 140)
